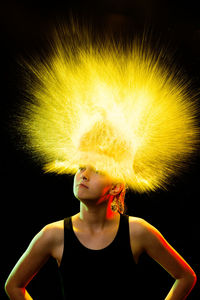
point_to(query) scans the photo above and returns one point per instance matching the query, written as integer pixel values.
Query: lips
(83, 185)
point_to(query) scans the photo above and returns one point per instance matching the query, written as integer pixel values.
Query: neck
(96, 217)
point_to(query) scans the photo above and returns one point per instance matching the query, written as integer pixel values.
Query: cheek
(76, 177)
(102, 188)
(103, 194)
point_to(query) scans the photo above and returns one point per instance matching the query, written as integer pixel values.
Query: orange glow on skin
(162, 252)
(110, 214)
(107, 198)
(174, 253)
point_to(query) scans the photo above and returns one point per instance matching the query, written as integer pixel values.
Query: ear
(116, 188)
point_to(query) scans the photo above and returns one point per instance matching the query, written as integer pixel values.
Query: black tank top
(103, 273)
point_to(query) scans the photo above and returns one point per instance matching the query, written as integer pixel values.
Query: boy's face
(97, 188)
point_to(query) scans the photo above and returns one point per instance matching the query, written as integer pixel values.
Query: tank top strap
(123, 236)
(68, 231)
(69, 241)
(67, 224)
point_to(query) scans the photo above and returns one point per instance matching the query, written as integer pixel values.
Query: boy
(88, 246)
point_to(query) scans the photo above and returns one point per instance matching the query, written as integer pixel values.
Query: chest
(103, 239)
(96, 240)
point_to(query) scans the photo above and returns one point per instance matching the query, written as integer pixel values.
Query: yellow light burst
(125, 112)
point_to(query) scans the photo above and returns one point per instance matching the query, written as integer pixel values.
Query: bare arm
(37, 254)
(161, 251)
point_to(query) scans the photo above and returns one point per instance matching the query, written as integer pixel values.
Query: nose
(84, 175)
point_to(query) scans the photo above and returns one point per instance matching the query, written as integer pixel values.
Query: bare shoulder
(139, 226)
(48, 238)
(53, 233)
(146, 238)
(141, 232)
(54, 230)
(47, 242)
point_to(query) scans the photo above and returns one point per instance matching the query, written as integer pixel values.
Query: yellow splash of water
(123, 112)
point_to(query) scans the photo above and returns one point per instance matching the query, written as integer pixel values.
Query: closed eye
(81, 168)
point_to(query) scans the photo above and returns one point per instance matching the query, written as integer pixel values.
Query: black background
(30, 199)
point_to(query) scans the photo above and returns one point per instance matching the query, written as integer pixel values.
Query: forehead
(98, 174)
(93, 169)
(96, 171)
